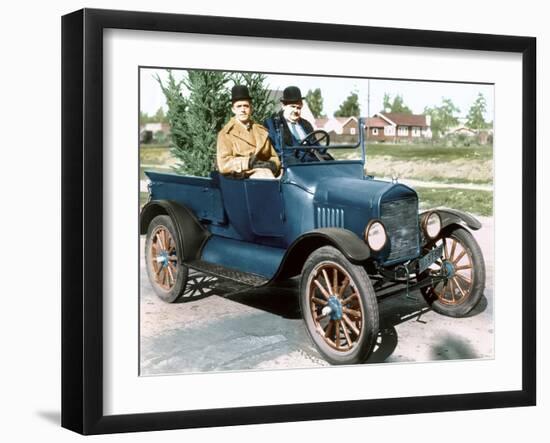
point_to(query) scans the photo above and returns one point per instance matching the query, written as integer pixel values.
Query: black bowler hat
(239, 92)
(292, 94)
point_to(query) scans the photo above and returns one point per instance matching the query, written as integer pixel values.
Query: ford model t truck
(348, 235)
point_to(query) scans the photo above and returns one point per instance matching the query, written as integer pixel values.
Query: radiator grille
(400, 217)
(330, 217)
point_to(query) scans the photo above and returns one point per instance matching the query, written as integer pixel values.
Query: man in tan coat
(244, 148)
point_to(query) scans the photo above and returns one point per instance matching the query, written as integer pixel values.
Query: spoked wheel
(463, 265)
(167, 274)
(339, 307)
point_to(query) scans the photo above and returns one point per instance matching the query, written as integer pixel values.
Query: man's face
(292, 111)
(242, 109)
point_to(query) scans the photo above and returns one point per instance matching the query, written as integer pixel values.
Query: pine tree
(350, 107)
(196, 120)
(314, 100)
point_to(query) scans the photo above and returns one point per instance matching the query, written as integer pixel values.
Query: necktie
(294, 131)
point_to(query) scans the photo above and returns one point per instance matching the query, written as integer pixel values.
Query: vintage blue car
(350, 236)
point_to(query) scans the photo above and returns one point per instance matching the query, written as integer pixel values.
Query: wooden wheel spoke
(322, 289)
(464, 267)
(337, 335)
(335, 281)
(327, 281)
(346, 333)
(456, 260)
(320, 317)
(453, 248)
(345, 284)
(457, 283)
(445, 251)
(157, 272)
(353, 312)
(464, 279)
(452, 289)
(160, 240)
(173, 258)
(318, 301)
(328, 330)
(351, 325)
(350, 298)
(170, 274)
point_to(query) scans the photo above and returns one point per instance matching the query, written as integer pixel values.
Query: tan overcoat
(236, 145)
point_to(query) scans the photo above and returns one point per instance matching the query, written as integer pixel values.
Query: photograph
(292, 221)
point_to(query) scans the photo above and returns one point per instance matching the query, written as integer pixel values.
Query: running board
(227, 273)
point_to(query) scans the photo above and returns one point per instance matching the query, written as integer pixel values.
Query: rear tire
(163, 259)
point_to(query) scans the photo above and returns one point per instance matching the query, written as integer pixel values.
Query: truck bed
(200, 194)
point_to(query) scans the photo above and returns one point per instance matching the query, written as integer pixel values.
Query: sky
(416, 94)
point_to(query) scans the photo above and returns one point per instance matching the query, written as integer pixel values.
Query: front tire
(339, 307)
(167, 273)
(463, 262)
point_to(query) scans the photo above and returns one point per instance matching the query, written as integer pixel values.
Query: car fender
(348, 243)
(451, 217)
(191, 235)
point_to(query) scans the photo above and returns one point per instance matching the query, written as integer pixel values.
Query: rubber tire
(363, 348)
(468, 242)
(182, 271)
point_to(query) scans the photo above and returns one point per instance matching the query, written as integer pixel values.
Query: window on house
(389, 130)
(374, 131)
(403, 131)
(352, 131)
(416, 131)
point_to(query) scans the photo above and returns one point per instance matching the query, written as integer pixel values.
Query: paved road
(263, 328)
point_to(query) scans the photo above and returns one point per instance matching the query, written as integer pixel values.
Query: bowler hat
(239, 92)
(292, 94)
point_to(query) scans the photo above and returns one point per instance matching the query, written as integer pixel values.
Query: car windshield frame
(361, 142)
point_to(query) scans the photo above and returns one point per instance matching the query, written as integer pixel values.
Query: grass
(154, 154)
(472, 201)
(428, 152)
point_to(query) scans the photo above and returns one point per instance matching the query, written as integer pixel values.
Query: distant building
(148, 131)
(398, 127)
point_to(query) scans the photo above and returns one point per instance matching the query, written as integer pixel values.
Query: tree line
(443, 117)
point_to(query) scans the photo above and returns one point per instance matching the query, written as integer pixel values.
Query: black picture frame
(82, 230)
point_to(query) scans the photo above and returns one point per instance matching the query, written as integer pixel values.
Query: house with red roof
(398, 127)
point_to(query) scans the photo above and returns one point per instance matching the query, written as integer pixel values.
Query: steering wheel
(311, 139)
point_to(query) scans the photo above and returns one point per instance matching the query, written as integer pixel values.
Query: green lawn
(429, 152)
(472, 201)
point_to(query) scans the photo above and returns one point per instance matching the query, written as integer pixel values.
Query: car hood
(357, 193)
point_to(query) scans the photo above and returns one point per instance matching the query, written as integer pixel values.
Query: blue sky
(416, 94)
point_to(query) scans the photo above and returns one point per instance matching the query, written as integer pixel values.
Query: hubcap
(335, 308)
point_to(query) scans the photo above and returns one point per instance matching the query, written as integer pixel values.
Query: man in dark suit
(294, 128)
